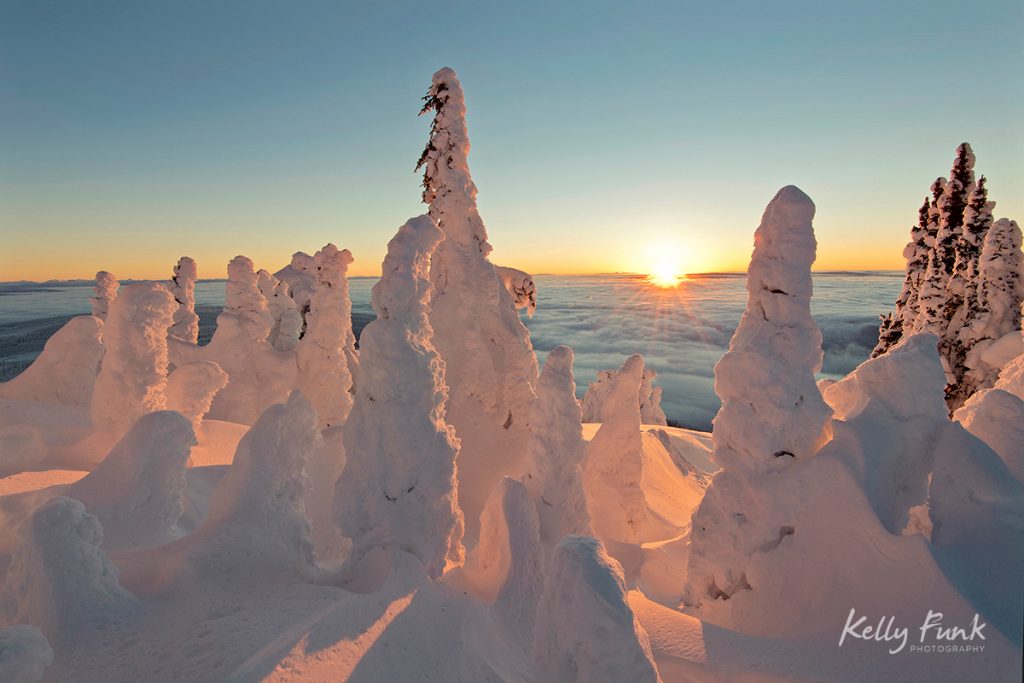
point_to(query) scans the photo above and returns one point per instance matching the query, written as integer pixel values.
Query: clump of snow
(649, 397)
(58, 578)
(323, 373)
(284, 336)
(997, 418)
(104, 293)
(586, 630)
(24, 654)
(137, 490)
(191, 388)
(556, 451)
(66, 370)
(398, 488)
(300, 275)
(183, 287)
(521, 286)
(491, 368)
(133, 376)
(772, 411)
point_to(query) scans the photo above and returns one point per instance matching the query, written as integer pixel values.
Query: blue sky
(603, 134)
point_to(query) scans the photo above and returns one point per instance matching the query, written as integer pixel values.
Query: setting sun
(665, 273)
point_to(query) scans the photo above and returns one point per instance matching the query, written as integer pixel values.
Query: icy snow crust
(278, 505)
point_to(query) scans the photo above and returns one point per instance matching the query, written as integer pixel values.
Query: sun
(665, 273)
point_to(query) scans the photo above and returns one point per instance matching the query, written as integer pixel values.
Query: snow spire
(491, 368)
(771, 407)
(244, 299)
(398, 489)
(586, 630)
(133, 374)
(323, 374)
(183, 287)
(105, 292)
(614, 463)
(58, 578)
(650, 400)
(556, 451)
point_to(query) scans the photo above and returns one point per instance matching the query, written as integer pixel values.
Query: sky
(607, 136)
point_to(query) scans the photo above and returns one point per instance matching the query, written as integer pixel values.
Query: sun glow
(665, 273)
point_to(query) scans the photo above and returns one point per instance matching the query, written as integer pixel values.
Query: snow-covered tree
(901, 321)
(65, 371)
(1000, 292)
(244, 299)
(133, 374)
(191, 388)
(491, 368)
(556, 451)
(323, 374)
(771, 407)
(104, 292)
(284, 336)
(183, 287)
(398, 489)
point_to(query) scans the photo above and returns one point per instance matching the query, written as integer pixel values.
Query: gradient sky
(604, 134)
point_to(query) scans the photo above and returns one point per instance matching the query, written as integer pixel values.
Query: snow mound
(133, 377)
(521, 286)
(257, 516)
(398, 488)
(137, 491)
(24, 654)
(66, 370)
(58, 578)
(191, 388)
(556, 452)
(997, 418)
(586, 630)
(772, 410)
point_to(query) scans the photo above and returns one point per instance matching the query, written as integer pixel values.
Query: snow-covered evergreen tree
(243, 298)
(398, 490)
(901, 320)
(284, 336)
(183, 287)
(491, 367)
(104, 293)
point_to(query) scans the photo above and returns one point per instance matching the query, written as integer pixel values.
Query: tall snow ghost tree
(183, 287)
(133, 375)
(491, 367)
(556, 451)
(284, 336)
(243, 298)
(772, 411)
(398, 489)
(771, 407)
(323, 375)
(104, 293)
